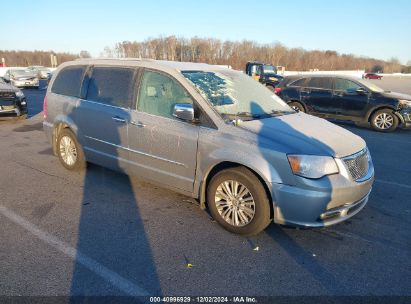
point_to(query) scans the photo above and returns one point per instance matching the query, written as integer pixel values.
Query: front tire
(69, 151)
(270, 87)
(238, 201)
(297, 106)
(22, 117)
(384, 121)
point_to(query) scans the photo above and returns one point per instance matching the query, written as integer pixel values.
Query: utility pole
(53, 60)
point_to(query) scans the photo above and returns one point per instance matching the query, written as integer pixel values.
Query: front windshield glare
(371, 86)
(269, 69)
(22, 73)
(233, 93)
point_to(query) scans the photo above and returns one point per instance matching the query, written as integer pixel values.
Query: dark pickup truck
(264, 73)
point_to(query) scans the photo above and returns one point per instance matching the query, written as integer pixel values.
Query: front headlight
(405, 103)
(19, 94)
(312, 166)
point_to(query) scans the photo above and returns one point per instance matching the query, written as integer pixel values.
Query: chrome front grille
(357, 164)
(7, 95)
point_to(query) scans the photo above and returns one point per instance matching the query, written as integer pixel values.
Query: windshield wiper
(248, 114)
(280, 112)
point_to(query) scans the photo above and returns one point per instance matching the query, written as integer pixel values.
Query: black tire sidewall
(262, 208)
(80, 161)
(270, 87)
(297, 104)
(390, 112)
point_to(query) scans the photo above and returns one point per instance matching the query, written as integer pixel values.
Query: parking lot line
(393, 183)
(115, 279)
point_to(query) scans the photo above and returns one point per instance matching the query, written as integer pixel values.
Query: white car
(21, 78)
(41, 71)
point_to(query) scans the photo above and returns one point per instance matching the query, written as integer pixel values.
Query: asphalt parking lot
(103, 233)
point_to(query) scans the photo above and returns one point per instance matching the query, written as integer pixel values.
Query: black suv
(346, 98)
(12, 101)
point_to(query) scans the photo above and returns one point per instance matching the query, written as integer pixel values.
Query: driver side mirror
(184, 111)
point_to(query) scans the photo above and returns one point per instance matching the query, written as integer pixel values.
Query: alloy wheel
(235, 203)
(68, 151)
(384, 121)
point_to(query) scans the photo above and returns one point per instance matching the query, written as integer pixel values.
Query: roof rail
(122, 59)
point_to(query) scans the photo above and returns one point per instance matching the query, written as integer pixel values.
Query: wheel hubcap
(235, 203)
(68, 151)
(384, 121)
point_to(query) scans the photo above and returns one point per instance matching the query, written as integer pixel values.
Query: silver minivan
(211, 133)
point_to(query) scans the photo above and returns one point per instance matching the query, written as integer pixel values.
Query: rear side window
(298, 83)
(320, 83)
(111, 85)
(68, 81)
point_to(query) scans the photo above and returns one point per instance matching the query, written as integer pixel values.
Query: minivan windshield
(234, 94)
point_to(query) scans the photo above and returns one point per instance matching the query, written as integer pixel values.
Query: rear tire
(384, 120)
(270, 87)
(298, 106)
(238, 201)
(22, 117)
(69, 151)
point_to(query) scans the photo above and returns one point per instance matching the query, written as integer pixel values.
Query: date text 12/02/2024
(239, 299)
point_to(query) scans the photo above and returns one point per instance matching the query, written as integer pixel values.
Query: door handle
(118, 119)
(138, 124)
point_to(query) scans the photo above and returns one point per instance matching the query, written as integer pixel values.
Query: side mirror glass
(361, 91)
(184, 111)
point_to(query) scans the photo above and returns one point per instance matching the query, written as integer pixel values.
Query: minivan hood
(301, 133)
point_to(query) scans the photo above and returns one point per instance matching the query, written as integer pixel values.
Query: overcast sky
(373, 28)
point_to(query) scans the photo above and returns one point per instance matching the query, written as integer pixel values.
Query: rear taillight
(277, 90)
(45, 107)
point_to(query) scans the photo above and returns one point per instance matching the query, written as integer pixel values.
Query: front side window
(255, 70)
(68, 81)
(111, 85)
(234, 94)
(346, 85)
(159, 93)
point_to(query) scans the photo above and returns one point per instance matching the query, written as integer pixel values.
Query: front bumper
(405, 116)
(13, 110)
(25, 83)
(319, 203)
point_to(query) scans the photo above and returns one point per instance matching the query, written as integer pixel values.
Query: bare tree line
(237, 53)
(215, 51)
(27, 58)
